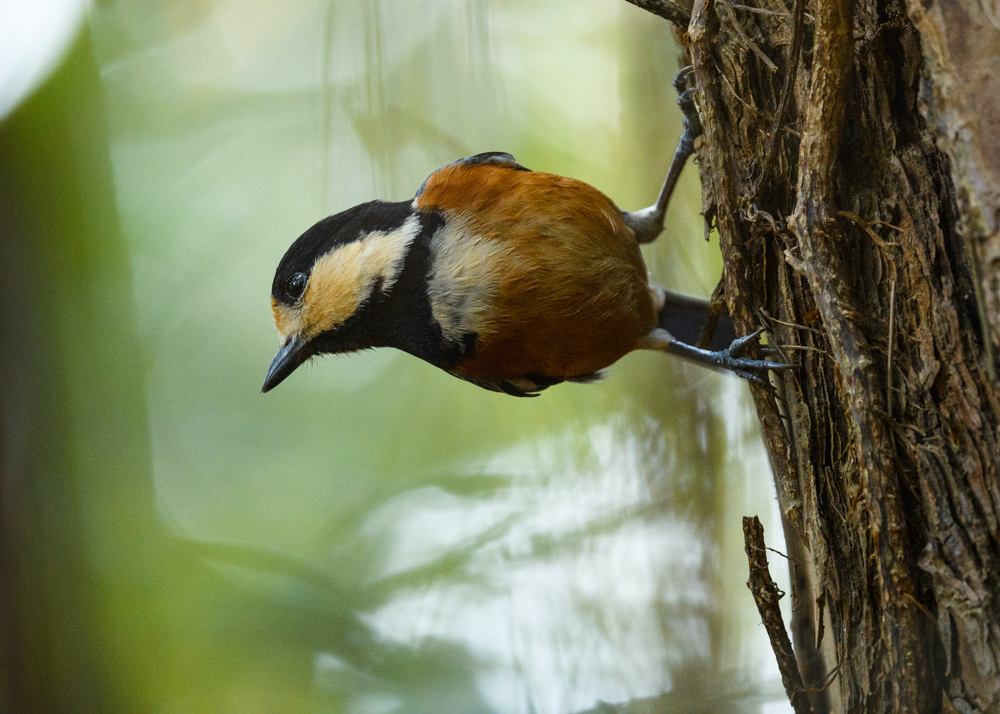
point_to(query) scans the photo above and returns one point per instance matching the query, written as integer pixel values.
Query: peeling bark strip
(767, 595)
(900, 514)
(899, 626)
(959, 39)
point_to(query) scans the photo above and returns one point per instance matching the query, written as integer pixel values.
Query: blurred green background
(374, 536)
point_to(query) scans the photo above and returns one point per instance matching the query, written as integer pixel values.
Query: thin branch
(766, 595)
(665, 9)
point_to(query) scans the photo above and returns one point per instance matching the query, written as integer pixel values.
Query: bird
(511, 279)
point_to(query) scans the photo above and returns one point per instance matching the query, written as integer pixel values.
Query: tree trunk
(850, 246)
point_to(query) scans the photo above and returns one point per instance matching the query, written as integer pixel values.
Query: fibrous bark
(961, 100)
(850, 245)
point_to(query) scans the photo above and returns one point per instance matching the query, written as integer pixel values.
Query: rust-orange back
(556, 283)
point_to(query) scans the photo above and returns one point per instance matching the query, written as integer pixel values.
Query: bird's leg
(730, 358)
(648, 223)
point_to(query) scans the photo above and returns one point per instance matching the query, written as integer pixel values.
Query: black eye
(295, 285)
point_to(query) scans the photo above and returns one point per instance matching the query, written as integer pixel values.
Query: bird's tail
(684, 317)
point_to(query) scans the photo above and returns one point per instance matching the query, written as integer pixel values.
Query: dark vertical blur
(72, 413)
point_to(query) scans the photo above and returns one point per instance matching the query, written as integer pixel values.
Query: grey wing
(491, 157)
(500, 158)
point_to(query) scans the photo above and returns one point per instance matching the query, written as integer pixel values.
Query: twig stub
(677, 14)
(766, 594)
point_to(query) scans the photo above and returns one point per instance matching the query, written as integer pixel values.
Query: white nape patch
(344, 278)
(397, 245)
(464, 279)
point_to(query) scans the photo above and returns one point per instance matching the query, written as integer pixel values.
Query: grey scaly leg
(648, 223)
(731, 358)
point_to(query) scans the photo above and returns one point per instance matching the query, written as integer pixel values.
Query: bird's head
(330, 275)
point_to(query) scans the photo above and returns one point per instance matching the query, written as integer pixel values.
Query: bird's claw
(685, 100)
(680, 81)
(753, 370)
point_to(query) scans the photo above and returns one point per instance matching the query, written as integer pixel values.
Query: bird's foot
(680, 80)
(647, 223)
(755, 370)
(733, 358)
(685, 100)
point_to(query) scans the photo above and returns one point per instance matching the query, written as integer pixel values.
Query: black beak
(289, 357)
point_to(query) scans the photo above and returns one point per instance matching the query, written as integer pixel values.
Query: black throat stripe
(403, 318)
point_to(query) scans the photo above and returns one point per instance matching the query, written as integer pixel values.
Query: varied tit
(511, 279)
